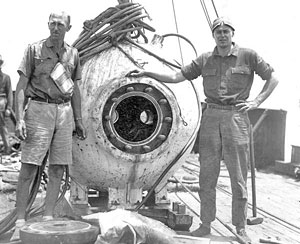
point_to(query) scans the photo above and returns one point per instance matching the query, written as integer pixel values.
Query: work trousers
(224, 135)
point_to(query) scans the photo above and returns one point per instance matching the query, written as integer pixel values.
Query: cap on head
(221, 21)
(62, 15)
(1, 60)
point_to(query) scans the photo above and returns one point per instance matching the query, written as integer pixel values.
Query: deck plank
(278, 202)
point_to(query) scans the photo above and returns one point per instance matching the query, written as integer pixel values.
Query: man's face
(223, 36)
(58, 26)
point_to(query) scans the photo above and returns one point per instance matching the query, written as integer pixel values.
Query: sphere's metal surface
(136, 126)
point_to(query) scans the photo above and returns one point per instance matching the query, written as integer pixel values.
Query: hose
(178, 156)
(9, 221)
(183, 37)
(94, 40)
(195, 132)
(112, 26)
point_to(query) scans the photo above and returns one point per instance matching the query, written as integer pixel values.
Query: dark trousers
(224, 135)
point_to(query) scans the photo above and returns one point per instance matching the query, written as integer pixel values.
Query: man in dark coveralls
(228, 74)
(47, 123)
(6, 102)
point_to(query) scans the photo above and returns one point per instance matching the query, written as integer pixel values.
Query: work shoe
(243, 235)
(201, 231)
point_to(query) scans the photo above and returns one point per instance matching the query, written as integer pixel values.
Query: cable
(178, 156)
(213, 3)
(179, 44)
(9, 221)
(183, 37)
(113, 25)
(181, 153)
(206, 13)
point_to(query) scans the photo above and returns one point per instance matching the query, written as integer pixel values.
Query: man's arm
(19, 106)
(267, 90)
(262, 96)
(76, 106)
(174, 77)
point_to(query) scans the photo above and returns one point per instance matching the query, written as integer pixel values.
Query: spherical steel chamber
(135, 126)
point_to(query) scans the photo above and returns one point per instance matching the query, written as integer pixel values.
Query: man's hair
(68, 17)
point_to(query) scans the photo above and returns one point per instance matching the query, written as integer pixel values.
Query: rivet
(112, 136)
(168, 119)
(163, 101)
(148, 89)
(128, 147)
(130, 89)
(162, 137)
(147, 148)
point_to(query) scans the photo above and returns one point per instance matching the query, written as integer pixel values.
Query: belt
(221, 107)
(50, 100)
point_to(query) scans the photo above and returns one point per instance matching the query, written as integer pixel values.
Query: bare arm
(267, 90)
(19, 106)
(174, 77)
(76, 106)
(262, 96)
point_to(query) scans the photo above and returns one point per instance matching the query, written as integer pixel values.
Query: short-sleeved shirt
(228, 80)
(38, 62)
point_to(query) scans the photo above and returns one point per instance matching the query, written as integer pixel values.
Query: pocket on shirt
(43, 65)
(239, 76)
(210, 79)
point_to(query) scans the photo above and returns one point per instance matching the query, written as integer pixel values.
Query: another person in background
(53, 105)
(224, 134)
(6, 103)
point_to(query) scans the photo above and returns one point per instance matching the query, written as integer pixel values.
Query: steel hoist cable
(214, 6)
(206, 13)
(177, 30)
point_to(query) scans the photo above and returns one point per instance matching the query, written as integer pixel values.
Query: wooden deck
(278, 202)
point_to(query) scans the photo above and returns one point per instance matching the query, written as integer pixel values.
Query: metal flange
(137, 118)
(59, 232)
